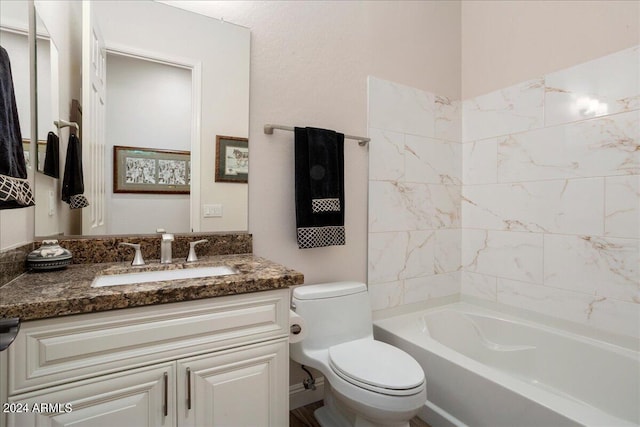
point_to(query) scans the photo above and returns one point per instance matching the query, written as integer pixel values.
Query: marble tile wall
(415, 180)
(551, 194)
(528, 196)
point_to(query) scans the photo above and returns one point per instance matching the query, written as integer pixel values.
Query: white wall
(149, 106)
(309, 67)
(505, 42)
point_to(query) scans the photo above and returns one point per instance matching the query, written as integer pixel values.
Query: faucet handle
(137, 258)
(192, 250)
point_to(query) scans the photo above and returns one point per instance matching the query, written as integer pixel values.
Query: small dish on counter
(49, 256)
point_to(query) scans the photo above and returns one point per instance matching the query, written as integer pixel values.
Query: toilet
(367, 382)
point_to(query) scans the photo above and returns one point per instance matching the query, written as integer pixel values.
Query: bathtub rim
(566, 406)
(580, 329)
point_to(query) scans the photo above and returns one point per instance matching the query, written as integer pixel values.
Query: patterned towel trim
(16, 190)
(78, 201)
(325, 205)
(317, 237)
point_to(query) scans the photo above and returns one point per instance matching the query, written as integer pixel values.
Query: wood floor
(303, 417)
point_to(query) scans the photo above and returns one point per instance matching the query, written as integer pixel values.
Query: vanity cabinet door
(246, 386)
(139, 397)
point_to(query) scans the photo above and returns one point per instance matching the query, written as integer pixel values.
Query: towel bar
(268, 129)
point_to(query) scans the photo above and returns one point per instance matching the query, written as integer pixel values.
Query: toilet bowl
(367, 382)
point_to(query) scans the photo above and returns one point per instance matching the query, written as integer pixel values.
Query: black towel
(15, 190)
(73, 181)
(52, 157)
(319, 187)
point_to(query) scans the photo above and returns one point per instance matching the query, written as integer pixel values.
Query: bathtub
(486, 368)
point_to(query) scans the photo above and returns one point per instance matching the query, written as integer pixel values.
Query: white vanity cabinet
(212, 362)
(135, 398)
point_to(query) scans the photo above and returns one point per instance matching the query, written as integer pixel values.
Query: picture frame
(151, 170)
(40, 155)
(232, 159)
(26, 149)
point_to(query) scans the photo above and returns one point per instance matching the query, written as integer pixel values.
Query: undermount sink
(161, 276)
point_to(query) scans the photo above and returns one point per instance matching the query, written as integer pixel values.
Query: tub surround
(60, 293)
(414, 195)
(550, 196)
(528, 196)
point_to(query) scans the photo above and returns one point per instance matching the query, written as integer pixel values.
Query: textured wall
(505, 42)
(309, 67)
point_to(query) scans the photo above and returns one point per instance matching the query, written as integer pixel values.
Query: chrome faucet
(137, 258)
(165, 246)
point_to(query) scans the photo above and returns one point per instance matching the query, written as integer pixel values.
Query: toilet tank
(334, 313)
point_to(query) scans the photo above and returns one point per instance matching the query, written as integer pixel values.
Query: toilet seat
(377, 367)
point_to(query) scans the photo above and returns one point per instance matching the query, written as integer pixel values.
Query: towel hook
(65, 124)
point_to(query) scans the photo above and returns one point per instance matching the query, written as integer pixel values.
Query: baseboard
(299, 396)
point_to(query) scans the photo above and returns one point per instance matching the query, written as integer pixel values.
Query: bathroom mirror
(47, 72)
(174, 80)
(47, 78)
(14, 38)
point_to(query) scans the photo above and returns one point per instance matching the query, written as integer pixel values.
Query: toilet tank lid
(328, 290)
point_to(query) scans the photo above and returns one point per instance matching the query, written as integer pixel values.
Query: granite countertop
(38, 295)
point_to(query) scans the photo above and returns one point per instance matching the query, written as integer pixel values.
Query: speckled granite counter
(40, 295)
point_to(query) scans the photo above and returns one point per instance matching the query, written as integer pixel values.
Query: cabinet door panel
(137, 397)
(241, 387)
(50, 352)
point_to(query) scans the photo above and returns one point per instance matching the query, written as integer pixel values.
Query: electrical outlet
(213, 211)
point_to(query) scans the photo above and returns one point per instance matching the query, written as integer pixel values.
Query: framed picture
(42, 150)
(42, 154)
(232, 159)
(150, 170)
(26, 149)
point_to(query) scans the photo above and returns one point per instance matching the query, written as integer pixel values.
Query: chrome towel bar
(268, 129)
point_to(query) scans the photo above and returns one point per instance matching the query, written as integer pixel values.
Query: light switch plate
(213, 211)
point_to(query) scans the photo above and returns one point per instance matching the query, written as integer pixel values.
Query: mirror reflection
(164, 91)
(149, 106)
(47, 181)
(14, 38)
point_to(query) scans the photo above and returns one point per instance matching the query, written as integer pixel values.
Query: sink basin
(161, 276)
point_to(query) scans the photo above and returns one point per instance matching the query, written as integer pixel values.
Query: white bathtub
(485, 368)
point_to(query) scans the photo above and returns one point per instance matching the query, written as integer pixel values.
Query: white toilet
(367, 382)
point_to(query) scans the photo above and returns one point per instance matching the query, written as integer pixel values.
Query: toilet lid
(377, 366)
